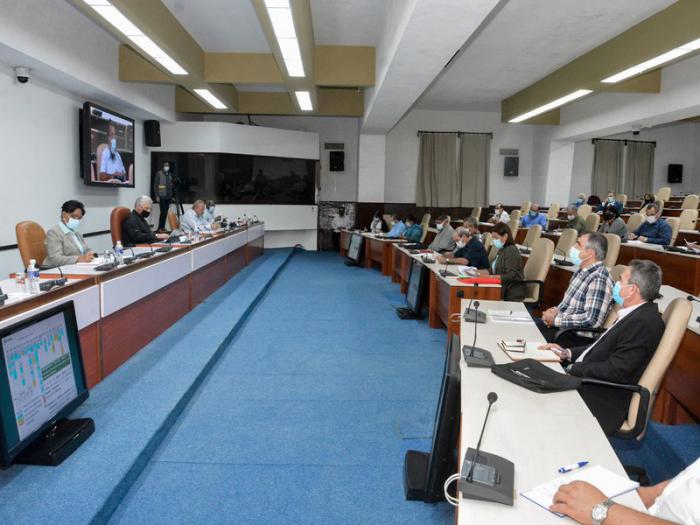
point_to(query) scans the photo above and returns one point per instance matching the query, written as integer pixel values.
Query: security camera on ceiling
(636, 129)
(22, 74)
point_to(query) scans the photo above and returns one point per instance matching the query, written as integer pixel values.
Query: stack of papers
(95, 262)
(518, 350)
(467, 271)
(509, 316)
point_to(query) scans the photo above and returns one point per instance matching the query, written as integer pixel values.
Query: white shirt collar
(624, 312)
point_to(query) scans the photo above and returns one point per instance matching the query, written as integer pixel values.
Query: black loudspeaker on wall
(675, 173)
(337, 161)
(510, 166)
(151, 129)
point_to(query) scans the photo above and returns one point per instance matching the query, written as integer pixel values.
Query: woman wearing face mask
(64, 245)
(508, 264)
(612, 223)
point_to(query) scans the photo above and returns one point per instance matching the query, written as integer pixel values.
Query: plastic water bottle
(32, 277)
(119, 252)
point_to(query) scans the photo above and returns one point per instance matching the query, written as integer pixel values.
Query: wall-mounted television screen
(107, 147)
(229, 178)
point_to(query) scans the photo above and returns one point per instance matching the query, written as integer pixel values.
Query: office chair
(688, 219)
(30, 241)
(674, 223)
(611, 255)
(553, 211)
(690, 202)
(592, 222)
(635, 221)
(476, 212)
(584, 210)
(173, 220)
(535, 272)
(566, 240)
(525, 208)
(622, 197)
(533, 233)
(116, 219)
(664, 194)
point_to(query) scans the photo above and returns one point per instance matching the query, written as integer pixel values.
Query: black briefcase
(533, 375)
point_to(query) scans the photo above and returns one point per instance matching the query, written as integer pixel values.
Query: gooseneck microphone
(492, 398)
(476, 316)
(691, 298)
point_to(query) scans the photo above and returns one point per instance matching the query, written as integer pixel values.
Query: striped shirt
(587, 300)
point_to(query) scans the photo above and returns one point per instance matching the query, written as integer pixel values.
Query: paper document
(95, 262)
(509, 316)
(530, 350)
(467, 271)
(609, 483)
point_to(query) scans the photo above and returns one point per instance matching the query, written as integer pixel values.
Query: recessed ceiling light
(210, 98)
(551, 105)
(653, 62)
(304, 100)
(282, 22)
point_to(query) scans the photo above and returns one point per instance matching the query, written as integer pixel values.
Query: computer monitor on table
(355, 248)
(416, 287)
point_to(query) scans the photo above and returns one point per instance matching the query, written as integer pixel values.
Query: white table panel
(210, 252)
(255, 232)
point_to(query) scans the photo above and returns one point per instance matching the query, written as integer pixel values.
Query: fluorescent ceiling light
(276, 3)
(551, 105)
(128, 29)
(283, 26)
(289, 47)
(210, 98)
(294, 68)
(282, 22)
(653, 62)
(304, 100)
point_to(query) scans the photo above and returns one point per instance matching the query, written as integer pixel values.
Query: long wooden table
(378, 251)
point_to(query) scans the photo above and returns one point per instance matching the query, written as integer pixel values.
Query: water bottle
(32, 277)
(119, 251)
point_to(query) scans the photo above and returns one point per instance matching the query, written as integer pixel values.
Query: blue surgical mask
(533, 214)
(498, 243)
(113, 145)
(616, 293)
(575, 255)
(611, 199)
(73, 224)
(579, 201)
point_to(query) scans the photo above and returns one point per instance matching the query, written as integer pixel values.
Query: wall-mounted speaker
(337, 161)
(675, 173)
(151, 130)
(510, 166)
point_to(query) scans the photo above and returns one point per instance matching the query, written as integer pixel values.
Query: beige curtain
(437, 183)
(607, 167)
(474, 169)
(639, 168)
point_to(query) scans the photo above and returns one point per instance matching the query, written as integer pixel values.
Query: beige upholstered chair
(525, 208)
(634, 222)
(613, 249)
(553, 211)
(424, 225)
(592, 222)
(566, 240)
(690, 202)
(476, 212)
(622, 197)
(664, 193)
(584, 210)
(617, 271)
(533, 233)
(675, 224)
(387, 219)
(689, 219)
(486, 240)
(30, 242)
(536, 269)
(514, 222)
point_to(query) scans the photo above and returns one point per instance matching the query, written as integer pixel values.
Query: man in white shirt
(111, 165)
(499, 215)
(194, 221)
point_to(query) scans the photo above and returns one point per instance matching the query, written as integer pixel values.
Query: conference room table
(378, 251)
(121, 310)
(537, 432)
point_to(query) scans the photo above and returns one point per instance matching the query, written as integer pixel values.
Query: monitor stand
(415, 470)
(54, 445)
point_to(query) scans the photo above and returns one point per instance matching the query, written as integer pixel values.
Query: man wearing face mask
(163, 192)
(574, 220)
(622, 353)
(588, 298)
(194, 220)
(534, 217)
(469, 252)
(64, 245)
(413, 231)
(135, 229)
(612, 223)
(210, 211)
(499, 215)
(397, 227)
(611, 202)
(443, 241)
(111, 165)
(654, 229)
(580, 199)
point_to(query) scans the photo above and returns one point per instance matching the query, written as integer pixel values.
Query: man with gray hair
(443, 241)
(588, 298)
(194, 220)
(135, 229)
(623, 352)
(469, 252)
(654, 229)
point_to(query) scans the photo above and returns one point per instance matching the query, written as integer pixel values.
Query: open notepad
(609, 483)
(518, 350)
(509, 316)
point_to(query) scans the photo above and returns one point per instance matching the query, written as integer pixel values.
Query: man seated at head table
(469, 252)
(588, 298)
(209, 212)
(135, 229)
(654, 229)
(672, 502)
(194, 220)
(64, 245)
(534, 217)
(612, 223)
(397, 227)
(499, 215)
(443, 241)
(413, 231)
(574, 220)
(622, 353)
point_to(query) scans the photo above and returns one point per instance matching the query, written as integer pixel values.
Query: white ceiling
(527, 40)
(221, 26)
(348, 23)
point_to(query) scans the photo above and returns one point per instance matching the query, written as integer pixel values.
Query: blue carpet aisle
(306, 417)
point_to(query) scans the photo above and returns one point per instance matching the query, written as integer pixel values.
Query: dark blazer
(509, 265)
(621, 356)
(135, 230)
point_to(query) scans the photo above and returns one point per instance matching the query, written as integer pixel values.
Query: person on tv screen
(111, 165)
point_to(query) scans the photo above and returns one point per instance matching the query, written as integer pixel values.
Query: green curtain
(437, 182)
(607, 167)
(474, 169)
(639, 168)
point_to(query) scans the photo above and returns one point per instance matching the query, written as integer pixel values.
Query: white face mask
(166, 169)
(651, 219)
(571, 217)
(440, 226)
(461, 244)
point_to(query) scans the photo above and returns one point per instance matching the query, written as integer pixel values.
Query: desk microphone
(492, 398)
(476, 357)
(691, 298)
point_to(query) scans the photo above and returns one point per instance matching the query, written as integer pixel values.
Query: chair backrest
(634, 222)
(664, 193)
(553, 211)
(592, 222)
(690, 202)
(617, 271)
(525, 207)
(387, 218)
(689, 218)
(566, 240)
(486, 240)
(425, 220)
(173, 221)
(622, 197)
(513, 224)
(614, 242)
(537, 266)
(116, 219)
(424, 231)
(612, 314)
(476, 212)
(584, 210)
(533, 233)
(675, 224)
(30, 241)
(676, 318)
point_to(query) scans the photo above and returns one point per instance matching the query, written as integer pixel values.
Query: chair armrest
(598, 330)
(642, 412)
(530, 281)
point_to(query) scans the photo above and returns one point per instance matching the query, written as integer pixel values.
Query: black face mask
(145, 214)
(608, 216)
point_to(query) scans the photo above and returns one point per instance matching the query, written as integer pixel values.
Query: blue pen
(573, 466)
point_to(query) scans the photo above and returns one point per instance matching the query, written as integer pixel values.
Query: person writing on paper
(469, 252)
(64, 245)
(499, 215)
(574, 220)
(397, 227)
(443, 241)
(508, 264)
(612, 223)
(135, 229)
(194, 221)
(534, 217)
(588, 298)
(622, 353)
(413, 231)
(654, 230)
(674, 501)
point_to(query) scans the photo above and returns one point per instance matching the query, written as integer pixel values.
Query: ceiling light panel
(304, 100)
(282, 22)
(551, 105)
(209, 97)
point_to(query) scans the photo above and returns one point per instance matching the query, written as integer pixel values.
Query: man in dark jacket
(623, 352)
(135, 229)
(654, 229)
(163, 192)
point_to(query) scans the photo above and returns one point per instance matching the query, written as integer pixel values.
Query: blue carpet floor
(308, 413)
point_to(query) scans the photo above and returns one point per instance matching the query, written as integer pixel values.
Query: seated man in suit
(413, 231)
(64, 245)
(622, 353)
(135, 229)
(588, 298)
(443, 241)
(534, 217)
(397, 227)
(574, 220)
(654, 229)
(469, 252)
(612, 223)
(611, 202)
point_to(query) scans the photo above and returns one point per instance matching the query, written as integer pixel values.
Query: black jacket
(135, 230)
(621, 356)
(509, 265)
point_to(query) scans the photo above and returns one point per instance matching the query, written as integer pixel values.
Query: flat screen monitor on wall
(107, 147)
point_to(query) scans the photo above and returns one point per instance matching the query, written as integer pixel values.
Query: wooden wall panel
(207, 280)
(90, 349)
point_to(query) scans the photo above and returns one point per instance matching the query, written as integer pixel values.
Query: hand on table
(641, 238)
(576, 500)
(549, 315)
(441, 260)
(631, 236)
(162, 235)
(88, 257)
(564, 354)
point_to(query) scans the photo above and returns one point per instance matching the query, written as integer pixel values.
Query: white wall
(582, 171)
(402, 145)
(372, 166)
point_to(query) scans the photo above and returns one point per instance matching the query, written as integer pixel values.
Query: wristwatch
(600, 511)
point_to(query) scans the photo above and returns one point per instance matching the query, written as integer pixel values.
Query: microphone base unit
(472, 315)
(492, 479)
(446, 273)
(562, 262)
(476, 357)
(48, 285)
(415, 474)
